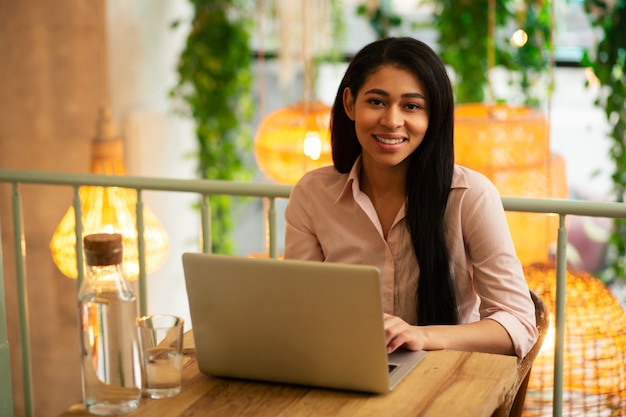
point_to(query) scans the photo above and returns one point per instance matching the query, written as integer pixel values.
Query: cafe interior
(106, 87)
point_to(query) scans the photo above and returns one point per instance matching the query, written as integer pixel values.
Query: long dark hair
(429, 176)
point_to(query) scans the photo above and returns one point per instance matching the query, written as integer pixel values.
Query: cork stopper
(103, 249)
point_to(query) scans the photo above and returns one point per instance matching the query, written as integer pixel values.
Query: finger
(394, 343)
(393, 334)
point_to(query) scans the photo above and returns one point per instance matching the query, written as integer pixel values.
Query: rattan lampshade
(109, 210)
(499, 136)
(594, 372)
(293, 140)
(510, 145)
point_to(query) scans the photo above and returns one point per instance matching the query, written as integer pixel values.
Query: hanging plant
(469, 48)
(464, 43)
(214, 88)
(608, 62)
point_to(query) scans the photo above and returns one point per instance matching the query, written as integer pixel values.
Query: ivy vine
(214, 88)
(465, 44)
(464, 40)
(608, 62)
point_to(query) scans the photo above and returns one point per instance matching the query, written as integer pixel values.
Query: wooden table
(445, 383)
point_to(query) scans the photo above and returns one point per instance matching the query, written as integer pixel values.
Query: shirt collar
(459, 180)
(352, 181)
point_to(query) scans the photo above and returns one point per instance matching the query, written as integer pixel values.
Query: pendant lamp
(109, 210)
(295, 139)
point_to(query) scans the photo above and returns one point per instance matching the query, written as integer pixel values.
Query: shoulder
(326, 178)
(472, 181)
(472, 191)
(315, 192)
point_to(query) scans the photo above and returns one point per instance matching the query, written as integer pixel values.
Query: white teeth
(389, 141)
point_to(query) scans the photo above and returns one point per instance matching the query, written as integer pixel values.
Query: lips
(389, 141)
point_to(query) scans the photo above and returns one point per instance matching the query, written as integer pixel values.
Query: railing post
(6, 389)
(78, 232)
(559, 331)
(205, 215)
(141, 245)
(22, 300)
(271, 228)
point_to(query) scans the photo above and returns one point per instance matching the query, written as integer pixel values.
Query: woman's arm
(487, 266)
(482, 336)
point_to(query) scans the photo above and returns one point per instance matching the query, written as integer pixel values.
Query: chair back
(513, 404)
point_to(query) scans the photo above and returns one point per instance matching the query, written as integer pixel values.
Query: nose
(392, 118)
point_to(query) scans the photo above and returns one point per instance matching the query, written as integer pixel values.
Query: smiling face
(391, 117)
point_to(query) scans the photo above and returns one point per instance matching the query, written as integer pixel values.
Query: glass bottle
(109, 347)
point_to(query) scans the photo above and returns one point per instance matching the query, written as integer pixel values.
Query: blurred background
(61, 60)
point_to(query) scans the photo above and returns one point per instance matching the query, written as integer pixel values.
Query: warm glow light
(312, 145)
(519, 38)
(547, 347)
(109, 210)
(293, 140)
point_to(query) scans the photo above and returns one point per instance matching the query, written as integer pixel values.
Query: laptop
(289, 321)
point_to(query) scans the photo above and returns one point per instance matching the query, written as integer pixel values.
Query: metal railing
(205, 189)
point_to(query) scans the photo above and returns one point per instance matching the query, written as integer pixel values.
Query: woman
(394, 199)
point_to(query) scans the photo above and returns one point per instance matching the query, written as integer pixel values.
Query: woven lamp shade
(594, 372)
(293, 140)
(510, 145)
(499, 136)
(109, 210)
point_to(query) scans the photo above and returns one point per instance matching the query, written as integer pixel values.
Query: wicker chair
(513, 404)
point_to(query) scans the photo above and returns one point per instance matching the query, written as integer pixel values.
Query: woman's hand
(399, 333)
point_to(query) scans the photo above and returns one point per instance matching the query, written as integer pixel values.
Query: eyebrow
(386, 94)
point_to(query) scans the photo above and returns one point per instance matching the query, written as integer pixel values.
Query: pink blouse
(328, 218)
